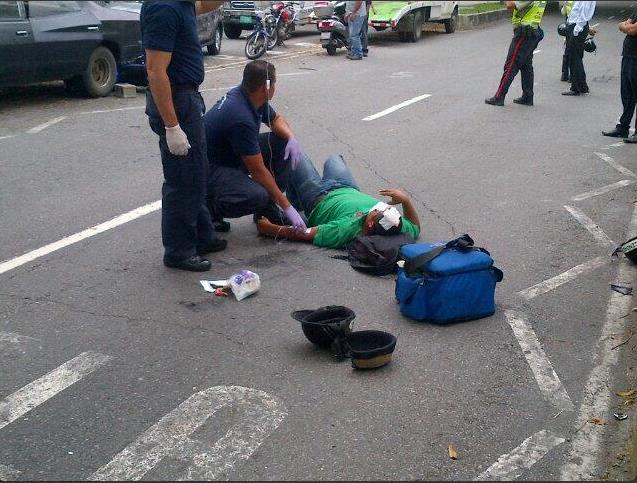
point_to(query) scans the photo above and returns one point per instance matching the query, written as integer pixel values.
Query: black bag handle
(414, 265)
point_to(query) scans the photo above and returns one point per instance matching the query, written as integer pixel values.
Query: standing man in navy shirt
(249, 171)
(175, 109)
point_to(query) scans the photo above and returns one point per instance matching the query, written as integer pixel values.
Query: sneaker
(618, 132)
(495, 101)
(354, 57)
(192, 264)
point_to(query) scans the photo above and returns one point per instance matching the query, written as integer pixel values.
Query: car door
(65, 35)
(17, 62)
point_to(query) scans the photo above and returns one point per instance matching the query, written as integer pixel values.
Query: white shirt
(361, 12)
(580, 15)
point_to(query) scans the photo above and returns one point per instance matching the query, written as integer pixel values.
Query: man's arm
(629, 27)
(205, 6)
(409, 210)
(267, 228)
(261, 175)
(357, 6)
(157, 63)
(281, 128)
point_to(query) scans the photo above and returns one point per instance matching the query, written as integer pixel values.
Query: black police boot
(495, 101)
(525, 101)
(214, 246)
(618, 132)
(192, 264)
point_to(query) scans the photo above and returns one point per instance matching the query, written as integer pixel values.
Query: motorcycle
(285, 15)
(264, 37)
(333, 29)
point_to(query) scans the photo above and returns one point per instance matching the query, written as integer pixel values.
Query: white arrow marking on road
(554, 282)
(611, 162)
(70, 240)
(586, 450)
(396, 107)
(41, 390)
(548, 381)
(43, 126)
(170, 437)
(531, 451)
(591, 226)
(603, 189)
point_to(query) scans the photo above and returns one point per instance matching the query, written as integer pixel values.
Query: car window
(9, 11)
(48, 8)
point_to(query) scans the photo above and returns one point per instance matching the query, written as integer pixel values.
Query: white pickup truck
(407, 18)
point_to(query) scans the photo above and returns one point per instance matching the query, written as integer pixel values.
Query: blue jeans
(355, 27)
(306, 184)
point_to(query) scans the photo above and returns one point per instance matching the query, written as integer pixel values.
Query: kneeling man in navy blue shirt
(249, 171)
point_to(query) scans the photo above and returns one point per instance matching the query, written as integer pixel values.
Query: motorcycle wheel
(331, 49)
(256, 46)
(273, 40)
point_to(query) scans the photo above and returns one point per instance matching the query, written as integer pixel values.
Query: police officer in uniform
(576, 32)
(565, 11)
(527, 34)
(175, 109)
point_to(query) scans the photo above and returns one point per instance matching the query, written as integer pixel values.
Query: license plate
(325, 35)
(245, 19)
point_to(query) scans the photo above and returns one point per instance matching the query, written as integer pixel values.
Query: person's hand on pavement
(293, 151)
(294, 217)
(177, 141)
(397, 196)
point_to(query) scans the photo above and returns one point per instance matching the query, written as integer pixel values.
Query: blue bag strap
(416, 265)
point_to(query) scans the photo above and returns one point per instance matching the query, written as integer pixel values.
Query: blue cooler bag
(446, 282)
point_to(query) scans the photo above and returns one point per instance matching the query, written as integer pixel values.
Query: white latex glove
(177, 140)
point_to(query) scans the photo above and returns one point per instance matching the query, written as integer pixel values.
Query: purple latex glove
(295, 218)
(293, 151)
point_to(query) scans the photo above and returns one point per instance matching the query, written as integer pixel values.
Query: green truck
(408, 18)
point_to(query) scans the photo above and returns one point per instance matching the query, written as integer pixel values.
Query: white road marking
(304, 44)
(615, 145)
(227, 57)
(275, 52)
(401, 75)
(114, 110)
(171, 436)
(10, 338)
(41, 390)
(603, 189)
(7, 137)
(611, 162)
(537, 51)
(552, 283)
(8, 473)
(43, 126)
(532, 450)
(591, 226)
(548, 381)
(77, 237)
(396, 107)
(587, 443)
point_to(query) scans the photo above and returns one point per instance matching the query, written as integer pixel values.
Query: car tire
(452, 23)
(416, 29)
(232, 31)
(99, 77)
(214, 47)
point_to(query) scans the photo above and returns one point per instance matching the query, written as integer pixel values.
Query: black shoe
(221, 226)
(584, 90)
(631, 139)
(214, 246)
(364, 53)
(570, 93)
(495, 101)
(525, 101)
(616, 133)
(192, 264)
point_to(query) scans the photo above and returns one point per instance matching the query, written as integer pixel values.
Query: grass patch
(481, 8)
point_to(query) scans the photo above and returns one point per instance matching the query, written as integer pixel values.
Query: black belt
(188, 87)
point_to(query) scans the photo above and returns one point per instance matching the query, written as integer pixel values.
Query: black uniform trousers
(232, 193)
(520, 59)
(575, 52)
(185, 220)
(628, 91)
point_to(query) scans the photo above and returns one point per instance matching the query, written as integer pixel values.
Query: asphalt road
(114, 367)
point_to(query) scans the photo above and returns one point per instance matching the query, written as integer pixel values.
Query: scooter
(334, 30)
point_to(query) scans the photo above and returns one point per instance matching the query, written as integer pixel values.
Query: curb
(475, 20)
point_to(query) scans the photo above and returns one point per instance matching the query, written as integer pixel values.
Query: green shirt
(338, 218)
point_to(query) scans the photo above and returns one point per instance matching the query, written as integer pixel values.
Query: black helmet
(589, 45)
(561, 29)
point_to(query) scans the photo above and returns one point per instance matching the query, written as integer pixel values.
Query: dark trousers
(575, 51)
(520, 59)
(565, 66)
(628, 91)
(232, 193)
(185, 220)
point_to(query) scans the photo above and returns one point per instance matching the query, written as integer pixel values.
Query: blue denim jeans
(306, 184)
(355, 27)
